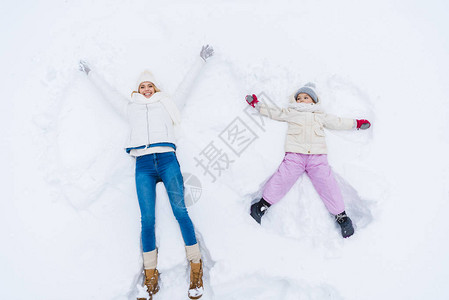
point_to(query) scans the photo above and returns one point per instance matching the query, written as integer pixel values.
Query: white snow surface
(69, 216)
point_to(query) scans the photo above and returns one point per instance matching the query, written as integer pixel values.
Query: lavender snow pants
(320, 173)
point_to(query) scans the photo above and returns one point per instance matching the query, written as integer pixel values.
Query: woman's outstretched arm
(182, 92)
(117, 100)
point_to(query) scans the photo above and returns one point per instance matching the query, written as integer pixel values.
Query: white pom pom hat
(146, 76)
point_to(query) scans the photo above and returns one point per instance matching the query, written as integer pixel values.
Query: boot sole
(349, 230)
(255, 216)
(196, 297)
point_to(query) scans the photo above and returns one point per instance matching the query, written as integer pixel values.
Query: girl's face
(304, 98)
(146, 88)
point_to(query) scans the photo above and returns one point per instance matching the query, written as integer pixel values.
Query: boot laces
(341, 218)
(263, 207)
(151, 282)
(196, 277)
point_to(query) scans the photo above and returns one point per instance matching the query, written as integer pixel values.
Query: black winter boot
(345, 223)
(258, 209)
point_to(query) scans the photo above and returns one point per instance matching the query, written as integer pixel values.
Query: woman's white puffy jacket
(151, 120)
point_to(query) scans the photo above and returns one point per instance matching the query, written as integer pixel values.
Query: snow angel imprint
(152, 114)
(305, 151)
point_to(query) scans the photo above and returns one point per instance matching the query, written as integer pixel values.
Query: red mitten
(363, 124)
(251, 99)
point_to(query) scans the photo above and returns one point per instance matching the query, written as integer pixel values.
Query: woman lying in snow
(305, 151)
(152, 115)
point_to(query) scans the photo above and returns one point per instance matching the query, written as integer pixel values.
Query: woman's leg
(323, 180)
(146, 194)
(170, 173)
(283, 179)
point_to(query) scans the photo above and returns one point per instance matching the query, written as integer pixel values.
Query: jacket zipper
(148, 127)
(309, 132)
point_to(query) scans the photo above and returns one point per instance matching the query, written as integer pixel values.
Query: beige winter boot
(152, 281)
(196, 280)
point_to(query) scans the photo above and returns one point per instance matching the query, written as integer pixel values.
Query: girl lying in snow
(305, 151)
(151, 115)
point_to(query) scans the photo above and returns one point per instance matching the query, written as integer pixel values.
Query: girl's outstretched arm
(182, 92)
(275, 113)
(117, 100)
(337, 123)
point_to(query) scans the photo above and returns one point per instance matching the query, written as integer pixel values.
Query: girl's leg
(146, 194)
(283, 179)
(323, 180)
(170, 173)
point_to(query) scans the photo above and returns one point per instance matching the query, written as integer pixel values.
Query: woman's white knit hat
(146, 76)
(309, 89)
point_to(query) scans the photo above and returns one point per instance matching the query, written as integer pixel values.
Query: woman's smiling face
(146, 88)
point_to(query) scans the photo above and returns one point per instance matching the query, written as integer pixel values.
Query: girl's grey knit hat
(309, 89)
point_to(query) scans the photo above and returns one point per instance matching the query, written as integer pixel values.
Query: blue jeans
(151, 169)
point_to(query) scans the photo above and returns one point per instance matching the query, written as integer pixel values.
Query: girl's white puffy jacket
(305, 133)
(151, 120)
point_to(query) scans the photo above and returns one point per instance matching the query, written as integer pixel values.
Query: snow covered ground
(69, 218)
